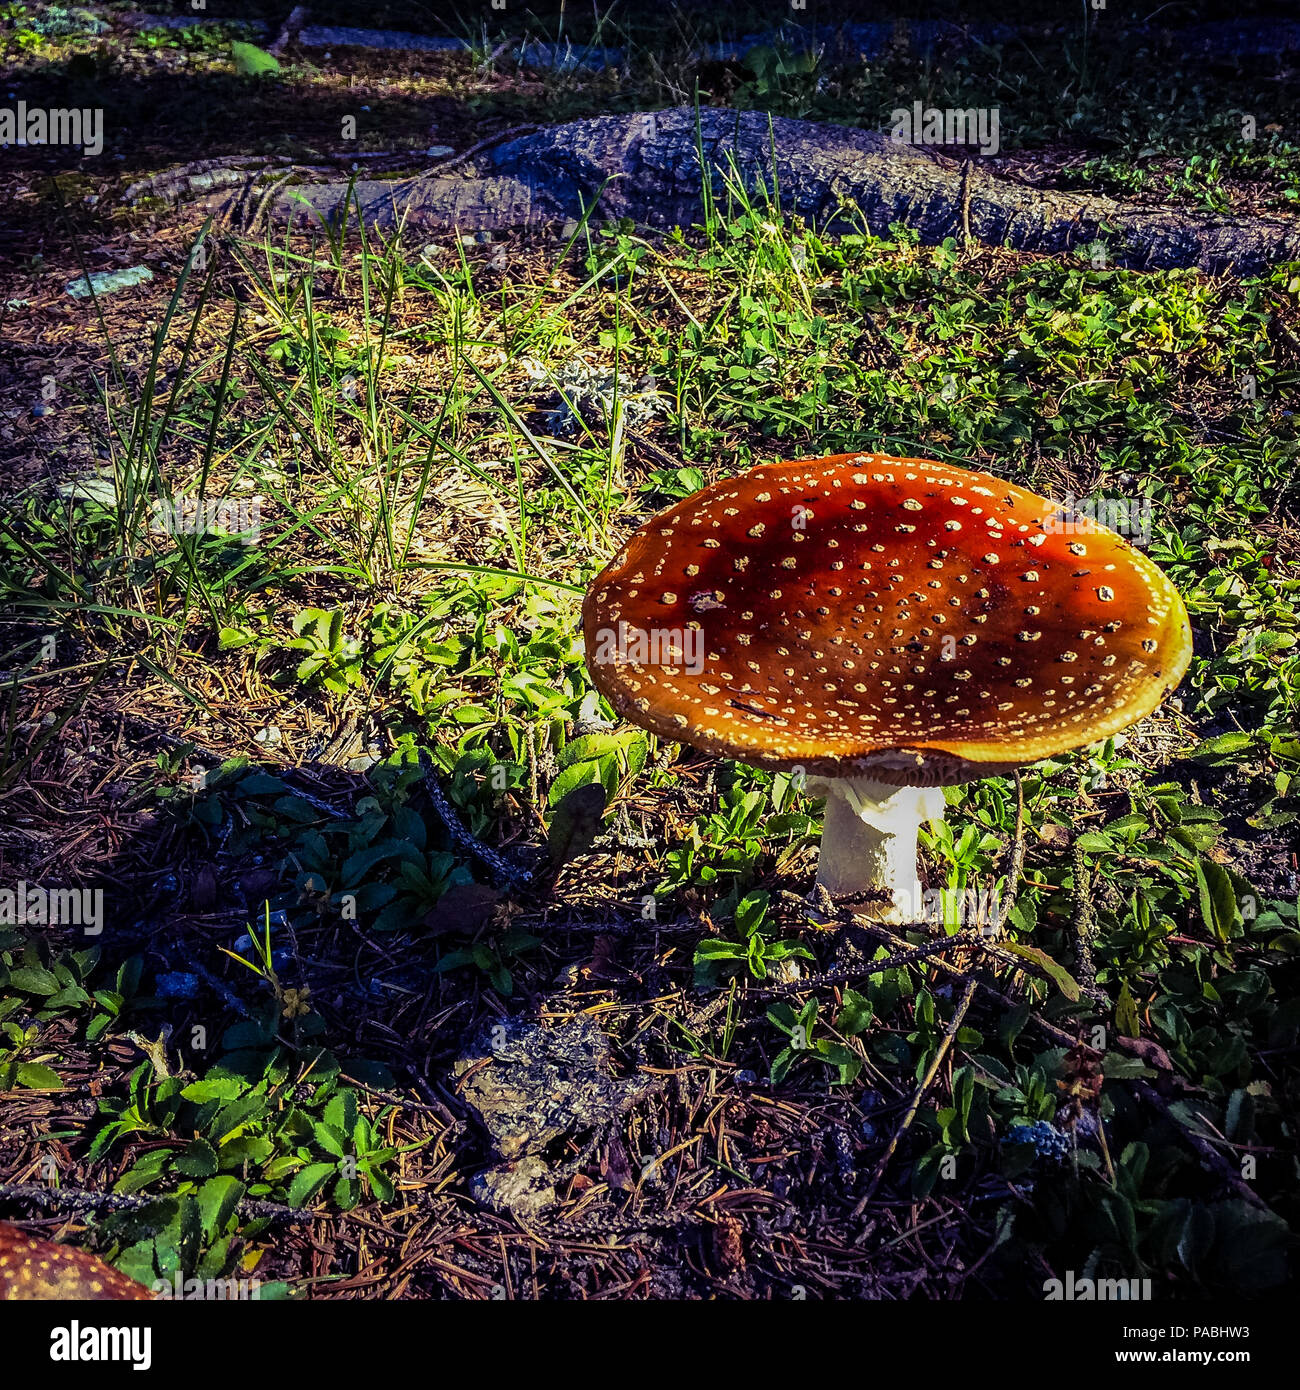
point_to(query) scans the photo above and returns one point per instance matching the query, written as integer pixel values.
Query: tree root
(650, 167)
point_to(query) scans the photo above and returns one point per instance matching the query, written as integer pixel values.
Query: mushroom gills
(869, 843)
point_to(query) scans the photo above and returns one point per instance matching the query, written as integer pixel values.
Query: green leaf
(1196, 1237)
(1239, 1120)
(198, 1161)
(589, 747)
(576, 822)
(232, 1118)
(332, 1140)
(217, 1088)
(856, 1014)
(341, 1112)
(1218, 899)
(574, 776)
(1250, 1248)
(218, 1198)
(846, 1062)
(1126, 1014)
(216, 1259)
(252, 61)
(312, 1178)
(751, 912)
(357, 867)
(1223, 745)
(38, 1078)
(892, 1049)
(148, 1169)
(137, 1262)
(34, 979)
(68, 997)
(1118, 1067)
(347, 1193)
(1058, 974)
(381, 1185)
(781, 1064)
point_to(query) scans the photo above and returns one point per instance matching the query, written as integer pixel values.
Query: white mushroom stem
(869, 842)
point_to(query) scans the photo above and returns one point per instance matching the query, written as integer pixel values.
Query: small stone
(176, 984)
(102, 282)
(515, 1189)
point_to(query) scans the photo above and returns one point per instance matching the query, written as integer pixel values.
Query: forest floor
(301, 1044)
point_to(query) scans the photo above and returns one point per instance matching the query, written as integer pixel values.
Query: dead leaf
(601, 966)
(617, 1169)
(728, 1244)
(576, 822)
(1150, 1052)
(463, 907)
(203, 891)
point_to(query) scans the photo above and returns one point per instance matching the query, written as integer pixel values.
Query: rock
(532, 1084)
(99, 487)
(588, 395)
(564, 57)
(102, 282)
(176, 984)
(515, 1189)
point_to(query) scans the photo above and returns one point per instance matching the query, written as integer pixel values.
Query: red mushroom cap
(899, 618)
(41, 1269)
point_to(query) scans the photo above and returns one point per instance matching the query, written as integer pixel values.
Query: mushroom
(884, 628)
(41, 1269)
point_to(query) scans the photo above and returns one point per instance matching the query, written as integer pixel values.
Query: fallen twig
(441, 167)
(1082, 924)
(913, 954)
(941, 1052)
(1211, 1159)
(497, 865)
(289, 30)
(75, 1199)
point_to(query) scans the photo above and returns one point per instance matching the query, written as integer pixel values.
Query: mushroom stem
(869, 843)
